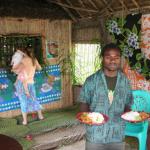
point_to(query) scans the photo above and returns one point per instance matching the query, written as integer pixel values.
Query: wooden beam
(74, 7)
(93, 4)
(118, 13)
(108, 10)
(68, 1)
(106, 7)
(123, 4)
(83, 5)
(81, 2)
(69, 13)
(143, 10)
(136, 3)
(104, 1)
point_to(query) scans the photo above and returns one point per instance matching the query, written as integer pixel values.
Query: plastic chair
(141, 102)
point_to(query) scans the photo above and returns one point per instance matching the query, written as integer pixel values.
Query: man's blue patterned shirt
(95, 93)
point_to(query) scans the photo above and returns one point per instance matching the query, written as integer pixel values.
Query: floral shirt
(95, 93)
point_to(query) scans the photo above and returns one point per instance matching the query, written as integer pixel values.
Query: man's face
(111, 60)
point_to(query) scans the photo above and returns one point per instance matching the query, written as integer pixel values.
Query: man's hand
(127, 108)
(84, 107)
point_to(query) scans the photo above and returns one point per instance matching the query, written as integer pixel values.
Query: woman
(27, 96)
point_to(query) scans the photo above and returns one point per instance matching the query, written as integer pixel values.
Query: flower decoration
(126, 33)
(144, 84)
(113, 27)
(132, 41)
(127, 52)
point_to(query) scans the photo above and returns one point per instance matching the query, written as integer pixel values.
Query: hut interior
(60, 32)
(63, 22)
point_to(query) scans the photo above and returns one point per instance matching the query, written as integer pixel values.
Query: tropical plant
(74, 69)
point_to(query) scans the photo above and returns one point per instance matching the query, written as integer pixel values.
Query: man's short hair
(109, 46)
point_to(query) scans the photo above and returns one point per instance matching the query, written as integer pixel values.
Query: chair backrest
(141, 101)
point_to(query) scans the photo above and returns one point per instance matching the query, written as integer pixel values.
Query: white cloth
(17, 57)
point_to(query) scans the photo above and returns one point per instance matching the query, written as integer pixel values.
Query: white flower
(127, 52)
(132, 41)
(113, 27)
(114, 23)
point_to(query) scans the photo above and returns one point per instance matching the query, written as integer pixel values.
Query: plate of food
(92, 118)
(135, 116)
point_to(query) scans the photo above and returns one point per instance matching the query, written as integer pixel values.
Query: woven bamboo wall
(86, 35)
(58, 30)
(90, 30)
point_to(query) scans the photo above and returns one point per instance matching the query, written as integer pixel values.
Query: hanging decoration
(145, 35)
(137, 81)
(126, 33)
(51, 49)
(48, 88)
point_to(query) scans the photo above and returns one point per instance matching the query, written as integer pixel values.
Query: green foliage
(10, 128)
(121, 22)
(134, 30)
(8, 45)
(138, 65)
(15, 131)
(6, 123)
(25, 143)
(95, 41)
(129, 42)
(139, 56)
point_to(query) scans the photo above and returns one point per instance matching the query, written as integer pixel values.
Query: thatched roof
(73, 9)
(31, 9)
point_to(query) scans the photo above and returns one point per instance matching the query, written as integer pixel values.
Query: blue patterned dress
(28, 104)
(95, 93)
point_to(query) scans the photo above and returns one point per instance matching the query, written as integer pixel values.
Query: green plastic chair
(141, 102)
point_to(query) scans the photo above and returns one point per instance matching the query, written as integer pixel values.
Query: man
(108, 92)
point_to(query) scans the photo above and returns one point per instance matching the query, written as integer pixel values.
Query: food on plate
(132, 115)
(135, 116)
(91, 118)
(144, 115)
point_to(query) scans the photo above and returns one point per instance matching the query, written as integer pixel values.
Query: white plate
(131, 116)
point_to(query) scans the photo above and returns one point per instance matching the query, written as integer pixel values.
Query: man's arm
(85, 97)
(127, 108)
(129, 98)
(84, 107)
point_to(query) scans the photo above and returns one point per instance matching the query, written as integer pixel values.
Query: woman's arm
(16, 69)
(38, 66)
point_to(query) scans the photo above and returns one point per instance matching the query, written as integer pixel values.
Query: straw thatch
(31, 9)
(73, 9)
